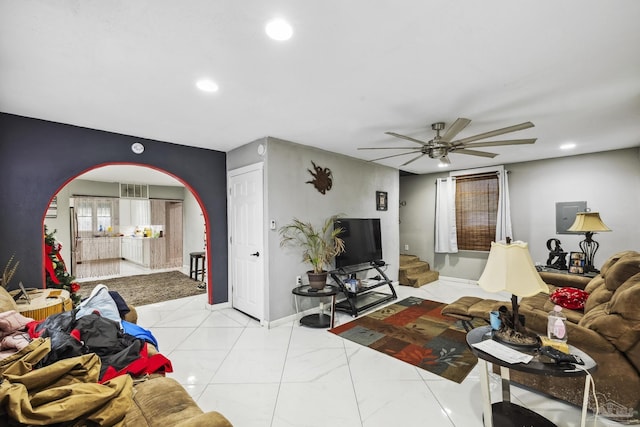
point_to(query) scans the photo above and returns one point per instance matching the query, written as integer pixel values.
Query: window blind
(476, 210)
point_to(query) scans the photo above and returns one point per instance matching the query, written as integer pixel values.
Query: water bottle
(557, 326)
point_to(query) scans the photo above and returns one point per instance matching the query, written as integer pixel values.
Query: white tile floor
(291, 375)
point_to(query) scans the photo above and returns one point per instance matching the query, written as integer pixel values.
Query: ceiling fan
(441, 146)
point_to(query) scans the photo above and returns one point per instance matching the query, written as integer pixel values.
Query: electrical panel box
(566, 215)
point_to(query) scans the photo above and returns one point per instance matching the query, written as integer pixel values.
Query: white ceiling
(352, 70)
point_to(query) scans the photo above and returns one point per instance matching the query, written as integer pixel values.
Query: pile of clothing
(75, 365)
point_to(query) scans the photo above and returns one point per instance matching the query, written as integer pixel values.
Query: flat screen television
(362, 241)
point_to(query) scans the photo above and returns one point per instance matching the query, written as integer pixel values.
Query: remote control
(560, 357)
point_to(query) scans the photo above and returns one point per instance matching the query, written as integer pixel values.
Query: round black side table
(319, 320)
(506, 413)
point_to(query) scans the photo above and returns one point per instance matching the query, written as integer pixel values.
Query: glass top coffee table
(506, 413)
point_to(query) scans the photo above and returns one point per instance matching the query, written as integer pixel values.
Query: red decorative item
(571, 298)
(57, 275)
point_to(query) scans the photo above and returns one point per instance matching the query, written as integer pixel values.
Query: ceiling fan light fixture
(441, 146)
(437, 152)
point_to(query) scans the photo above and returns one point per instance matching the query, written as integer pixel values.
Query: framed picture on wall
(576, 262)
(381, 200)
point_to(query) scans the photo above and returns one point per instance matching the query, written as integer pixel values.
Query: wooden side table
(44, 303)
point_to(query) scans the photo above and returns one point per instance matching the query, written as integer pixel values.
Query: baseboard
(458, 280)
(219, 306)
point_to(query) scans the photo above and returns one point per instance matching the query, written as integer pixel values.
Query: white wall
(287, 195)
(355, 183)
(609, 182)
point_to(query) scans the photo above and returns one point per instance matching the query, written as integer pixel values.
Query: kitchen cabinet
(97, 248)
(134, 212)
(153, 252)
(137, 250)
(96, 256)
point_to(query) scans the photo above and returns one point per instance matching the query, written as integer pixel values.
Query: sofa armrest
(583, 338)
(564, 280)
(162, 401)
(132, 315)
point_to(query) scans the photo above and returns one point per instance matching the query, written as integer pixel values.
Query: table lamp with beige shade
(588, 223)
(510, 268)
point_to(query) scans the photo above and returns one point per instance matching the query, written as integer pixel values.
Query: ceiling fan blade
(394, 155)
(408, 138)
(412, 160)
(455, 129)
(387, 148)
(521, 126)
(474, 153)
(497, 143)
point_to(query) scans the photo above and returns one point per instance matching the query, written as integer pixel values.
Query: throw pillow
(571, 298)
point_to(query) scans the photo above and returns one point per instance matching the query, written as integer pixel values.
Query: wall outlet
(298, 280)
(406, 247)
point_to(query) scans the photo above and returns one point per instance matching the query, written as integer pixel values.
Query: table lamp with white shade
(510, 268)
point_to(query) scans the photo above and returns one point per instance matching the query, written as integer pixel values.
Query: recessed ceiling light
(568, 146)
(279, 29)
(207, 85)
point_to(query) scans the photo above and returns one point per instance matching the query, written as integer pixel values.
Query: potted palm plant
(319, 246)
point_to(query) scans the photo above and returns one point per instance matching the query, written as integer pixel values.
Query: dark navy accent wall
(37, 158)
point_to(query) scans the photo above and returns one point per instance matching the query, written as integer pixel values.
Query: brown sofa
(608, 329)
(152, 401)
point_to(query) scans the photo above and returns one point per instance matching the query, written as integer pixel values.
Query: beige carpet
(148, 288)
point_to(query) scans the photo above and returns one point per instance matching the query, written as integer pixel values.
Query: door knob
(256, 254)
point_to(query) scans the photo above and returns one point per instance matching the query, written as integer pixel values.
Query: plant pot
(317, 280)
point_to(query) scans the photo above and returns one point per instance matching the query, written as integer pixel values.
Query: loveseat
(608, 329)
(68, 393)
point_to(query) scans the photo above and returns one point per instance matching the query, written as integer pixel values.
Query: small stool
(194, 265)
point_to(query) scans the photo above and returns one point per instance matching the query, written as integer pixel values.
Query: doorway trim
(177, 178)
(255, 167)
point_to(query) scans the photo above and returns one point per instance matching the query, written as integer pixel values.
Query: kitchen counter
(149, 252)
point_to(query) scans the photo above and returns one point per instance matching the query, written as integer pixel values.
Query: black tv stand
(364, 297)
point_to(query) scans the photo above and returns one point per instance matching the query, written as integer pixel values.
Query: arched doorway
(103, 183)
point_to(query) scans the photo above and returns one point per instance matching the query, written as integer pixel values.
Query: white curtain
(446, 236)
(503, 221)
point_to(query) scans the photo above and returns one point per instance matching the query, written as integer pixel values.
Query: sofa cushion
(625, 267)
(571, 298)
(611, 309)
(616, 270)
(162, 401)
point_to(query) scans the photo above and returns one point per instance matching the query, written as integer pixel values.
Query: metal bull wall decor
(323, 179)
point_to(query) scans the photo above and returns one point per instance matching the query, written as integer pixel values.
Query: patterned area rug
(414, 331)
(148, 288)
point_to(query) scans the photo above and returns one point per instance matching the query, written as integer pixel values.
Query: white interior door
(246, 248)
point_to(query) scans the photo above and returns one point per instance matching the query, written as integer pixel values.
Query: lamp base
(514, 338)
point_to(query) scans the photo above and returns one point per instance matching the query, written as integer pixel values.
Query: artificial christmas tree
(56, 270)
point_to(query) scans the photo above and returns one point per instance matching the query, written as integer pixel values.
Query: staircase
(414, 272)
